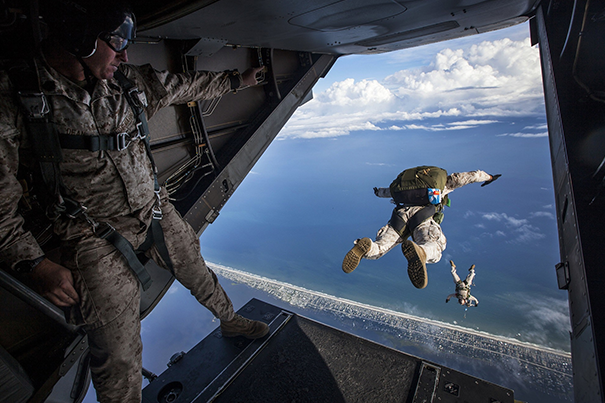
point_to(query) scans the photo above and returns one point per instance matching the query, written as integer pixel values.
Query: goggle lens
(115, 42)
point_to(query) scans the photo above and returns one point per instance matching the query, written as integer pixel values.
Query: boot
(472, 268)
(416, 263)
(240, 326)
(352, 259)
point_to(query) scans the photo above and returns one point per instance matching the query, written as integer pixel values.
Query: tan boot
(416, 263)
(240, 326)
(352, 259)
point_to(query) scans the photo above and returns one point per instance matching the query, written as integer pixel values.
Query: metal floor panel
(305, 361)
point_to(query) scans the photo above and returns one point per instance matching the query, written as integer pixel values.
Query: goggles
(122, 37)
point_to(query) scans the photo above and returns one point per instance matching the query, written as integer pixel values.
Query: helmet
(76, 25)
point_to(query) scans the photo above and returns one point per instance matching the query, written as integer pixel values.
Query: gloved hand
(494, 177)
(376, 191)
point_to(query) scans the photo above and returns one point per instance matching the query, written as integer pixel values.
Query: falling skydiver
(415, 216)
(463, 288)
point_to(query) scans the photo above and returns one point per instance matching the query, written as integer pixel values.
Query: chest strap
(117, 142)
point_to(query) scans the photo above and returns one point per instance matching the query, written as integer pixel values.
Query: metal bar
(26, 294)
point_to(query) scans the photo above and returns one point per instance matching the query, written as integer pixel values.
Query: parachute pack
(419, 186)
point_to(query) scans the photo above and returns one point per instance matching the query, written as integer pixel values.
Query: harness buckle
(157, 213)
(157, 209)
(138, 97)
(34, 104)
(140, 133)
(103, 230)
(73, 209)
(122, 142)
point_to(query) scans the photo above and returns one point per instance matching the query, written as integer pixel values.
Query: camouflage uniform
(428, 234)
(116, 187)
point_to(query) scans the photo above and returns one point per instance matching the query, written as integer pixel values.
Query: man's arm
(17, 245)
(459, 179)
(449, 297)
(472, 299)
(163, 88)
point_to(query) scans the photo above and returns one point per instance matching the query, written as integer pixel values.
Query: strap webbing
(402, 228)
(125, 247)
(94, 143)
(423, 214)
(155, 235)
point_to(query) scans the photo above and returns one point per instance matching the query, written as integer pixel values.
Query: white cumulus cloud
(488, 80)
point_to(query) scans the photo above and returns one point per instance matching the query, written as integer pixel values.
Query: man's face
(105, 61)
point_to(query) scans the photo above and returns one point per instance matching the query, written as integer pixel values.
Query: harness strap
(127, 250)
(136, 104)
(401, 227)
(155, 235)
(116, 142)
(423, 214)
(37, 115)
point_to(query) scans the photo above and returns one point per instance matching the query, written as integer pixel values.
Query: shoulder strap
(137, 103)
(42, 132)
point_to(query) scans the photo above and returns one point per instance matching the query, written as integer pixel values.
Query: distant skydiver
(420, 194)
(463, 288)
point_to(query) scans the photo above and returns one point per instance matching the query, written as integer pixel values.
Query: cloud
(526, 135)
(488, 79)
(520, 230)
(546, 214)
(544, 316)
(468, 124)
(509, 221)
(543, 126)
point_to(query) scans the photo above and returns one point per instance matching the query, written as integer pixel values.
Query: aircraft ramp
(301, 360)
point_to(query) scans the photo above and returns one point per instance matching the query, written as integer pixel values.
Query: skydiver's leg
(386, 239)
(109, 312)
(471, 276)
(429, 236)
(454, 274)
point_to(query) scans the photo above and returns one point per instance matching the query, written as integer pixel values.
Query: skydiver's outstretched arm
(449, 297)
(472, 300)
(459, 179)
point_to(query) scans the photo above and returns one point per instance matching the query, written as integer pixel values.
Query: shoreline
(304, 298)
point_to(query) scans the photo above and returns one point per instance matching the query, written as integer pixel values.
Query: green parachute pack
(415, 186)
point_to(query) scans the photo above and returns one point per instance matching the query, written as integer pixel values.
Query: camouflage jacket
(109, 183)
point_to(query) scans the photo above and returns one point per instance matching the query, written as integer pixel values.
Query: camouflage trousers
(110, 297)
(428, 235)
